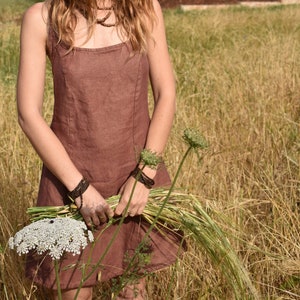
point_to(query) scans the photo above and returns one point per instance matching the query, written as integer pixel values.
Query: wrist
(71, 183)
(78, 191)
(139, 175)
(150, 172)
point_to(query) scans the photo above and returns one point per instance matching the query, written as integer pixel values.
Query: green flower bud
(150, 158)
(194, 139)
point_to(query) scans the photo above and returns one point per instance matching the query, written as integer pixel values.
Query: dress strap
(51, 35)
(50, 43)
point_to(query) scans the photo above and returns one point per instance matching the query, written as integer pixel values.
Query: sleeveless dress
(101, 117)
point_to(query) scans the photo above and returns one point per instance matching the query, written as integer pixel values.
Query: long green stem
(169, 192)
(56, 267)
(158, 213)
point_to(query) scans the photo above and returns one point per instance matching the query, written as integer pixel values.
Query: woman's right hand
(95, 210)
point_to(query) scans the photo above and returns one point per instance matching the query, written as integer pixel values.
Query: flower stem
(169, 192)
(158, 213)
(59, 295)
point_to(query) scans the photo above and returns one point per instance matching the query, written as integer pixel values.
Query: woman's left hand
(138, 200)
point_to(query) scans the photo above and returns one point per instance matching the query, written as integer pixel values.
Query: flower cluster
(150, 158)
(52, 237)
(194, 139)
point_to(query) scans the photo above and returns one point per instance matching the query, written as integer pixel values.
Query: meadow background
(238, 82)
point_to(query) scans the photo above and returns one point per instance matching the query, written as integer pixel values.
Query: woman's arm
(30, 90)
(163, 86)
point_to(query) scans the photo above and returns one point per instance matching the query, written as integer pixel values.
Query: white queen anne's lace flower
(53, 237)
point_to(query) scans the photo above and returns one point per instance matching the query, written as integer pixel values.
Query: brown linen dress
(101, 117)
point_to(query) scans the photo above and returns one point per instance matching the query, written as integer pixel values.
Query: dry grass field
(238, 82)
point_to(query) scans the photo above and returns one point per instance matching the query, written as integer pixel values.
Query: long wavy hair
(134, 19)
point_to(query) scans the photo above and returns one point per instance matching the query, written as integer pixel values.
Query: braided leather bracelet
(78, 191)
(140, 176)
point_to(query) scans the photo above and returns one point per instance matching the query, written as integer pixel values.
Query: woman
(102, 53)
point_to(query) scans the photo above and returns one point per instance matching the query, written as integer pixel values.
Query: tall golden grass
(238, 79)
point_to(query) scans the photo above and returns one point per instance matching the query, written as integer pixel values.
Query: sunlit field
(238, 83)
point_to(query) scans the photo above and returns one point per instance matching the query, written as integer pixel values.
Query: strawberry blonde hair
(134, 19)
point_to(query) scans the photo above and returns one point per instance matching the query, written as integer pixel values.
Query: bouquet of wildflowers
(165, 208)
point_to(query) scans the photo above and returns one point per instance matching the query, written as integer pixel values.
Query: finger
(95, 220)
(125, 212)
(140, 210)
(108, 211)
(121, 190)
(104, 212)
(103, 219)
(132, 213)
(88, 222)
(119, 210)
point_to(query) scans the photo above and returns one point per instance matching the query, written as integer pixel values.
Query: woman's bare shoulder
(156, 6)
(37, 14)
(34, 23)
